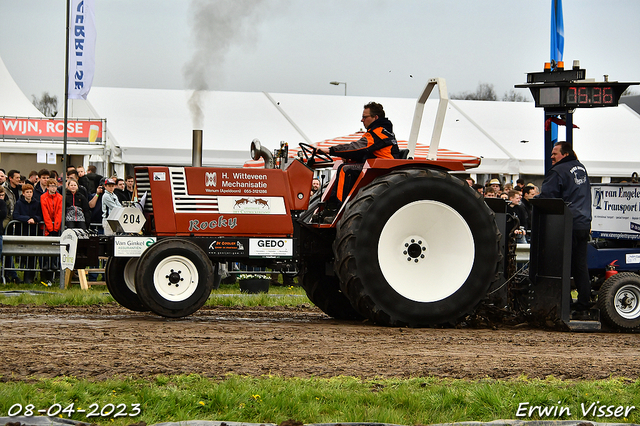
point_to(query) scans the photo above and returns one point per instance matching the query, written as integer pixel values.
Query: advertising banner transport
(615, 211)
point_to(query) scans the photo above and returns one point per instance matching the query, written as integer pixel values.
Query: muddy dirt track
(102, 341)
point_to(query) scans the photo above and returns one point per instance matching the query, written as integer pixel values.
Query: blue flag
(82, 46)
(557, 31)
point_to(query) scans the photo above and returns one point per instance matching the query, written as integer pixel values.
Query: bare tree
(513, 96)
(47, 105)
(484, 92)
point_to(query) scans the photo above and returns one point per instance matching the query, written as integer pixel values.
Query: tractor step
(580, 325)
(585, 320)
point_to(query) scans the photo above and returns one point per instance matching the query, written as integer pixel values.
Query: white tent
(149, 126)
(15, 105)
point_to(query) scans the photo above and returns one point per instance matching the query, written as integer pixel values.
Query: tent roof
(632, 101)
(151, 126)
(13, 103)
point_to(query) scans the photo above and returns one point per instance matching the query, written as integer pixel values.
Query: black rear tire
(324, 291)
(174, 278)
(619, 300)
(120, 279)
(418, 248)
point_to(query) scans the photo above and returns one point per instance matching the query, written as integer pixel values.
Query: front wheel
(619, 300)
(324, 291)
(120, 279)
(416, 247)
(174, 278)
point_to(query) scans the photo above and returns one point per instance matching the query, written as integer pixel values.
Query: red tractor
(410, 245)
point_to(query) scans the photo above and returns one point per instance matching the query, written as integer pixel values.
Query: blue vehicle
(614, 253)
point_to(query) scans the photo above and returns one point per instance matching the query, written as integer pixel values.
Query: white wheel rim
(627, 302)
(130, 273)
(426, 251)
(175, 278)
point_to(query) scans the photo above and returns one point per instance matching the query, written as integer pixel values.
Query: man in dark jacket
(28, 212)
(40, 187)
(528, 192)
(516, 210)
(95, 178)
(568, 179)
(83, 180)
(120, 191)
(378, 142)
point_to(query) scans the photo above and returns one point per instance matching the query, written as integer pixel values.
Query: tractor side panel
(160, 195)
(203, 201)
(299, 177)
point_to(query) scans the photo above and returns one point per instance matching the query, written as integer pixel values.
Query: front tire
(120, 279)
(619, 300)
(416, 247)
(174, 278)
(324, 291)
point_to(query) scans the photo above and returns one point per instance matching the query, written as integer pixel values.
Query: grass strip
(226, 295)
(275, 399)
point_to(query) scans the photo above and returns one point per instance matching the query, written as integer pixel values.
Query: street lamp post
(336, 83)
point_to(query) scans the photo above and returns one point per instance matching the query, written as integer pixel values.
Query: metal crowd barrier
(27, 252)
(33, 252)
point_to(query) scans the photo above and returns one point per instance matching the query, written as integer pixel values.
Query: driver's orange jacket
(377, 142)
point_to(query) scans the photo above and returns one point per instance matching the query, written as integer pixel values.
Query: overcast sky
(378, 47)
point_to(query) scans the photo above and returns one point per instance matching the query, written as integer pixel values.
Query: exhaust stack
(196, 150)
(258, 151)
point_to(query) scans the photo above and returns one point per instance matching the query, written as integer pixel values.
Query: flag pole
(556, 56)
(64, 139)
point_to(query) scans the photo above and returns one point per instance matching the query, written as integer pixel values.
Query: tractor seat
(404, 154)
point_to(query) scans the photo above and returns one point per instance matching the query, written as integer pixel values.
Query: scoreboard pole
(549, 139)
(561, 91)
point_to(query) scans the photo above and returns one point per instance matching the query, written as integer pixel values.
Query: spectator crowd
(517, 197)
(33, 205)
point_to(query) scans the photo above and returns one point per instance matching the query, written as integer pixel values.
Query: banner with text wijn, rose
(50, 130)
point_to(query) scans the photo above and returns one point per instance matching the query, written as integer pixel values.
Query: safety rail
(27, 253)
(20, 252)
(30, 245)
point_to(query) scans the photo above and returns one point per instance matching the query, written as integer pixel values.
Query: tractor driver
(378, 142)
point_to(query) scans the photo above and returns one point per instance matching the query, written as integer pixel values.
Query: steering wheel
(314, 156)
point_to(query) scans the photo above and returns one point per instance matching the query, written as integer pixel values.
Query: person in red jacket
(51, 203)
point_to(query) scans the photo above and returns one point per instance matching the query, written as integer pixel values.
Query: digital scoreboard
(567, 89)
(578, 95)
